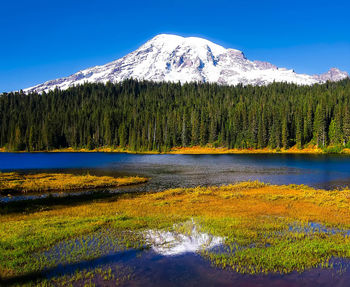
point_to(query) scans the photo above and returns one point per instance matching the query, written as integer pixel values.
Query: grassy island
(60, 181)
(265, 228)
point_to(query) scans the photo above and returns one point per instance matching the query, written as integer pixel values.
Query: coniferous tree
(143, 115)
(346, 125)
(320, 126)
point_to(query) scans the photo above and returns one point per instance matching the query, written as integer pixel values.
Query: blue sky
(43, 40)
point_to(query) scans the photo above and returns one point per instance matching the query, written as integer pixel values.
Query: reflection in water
(170, 243)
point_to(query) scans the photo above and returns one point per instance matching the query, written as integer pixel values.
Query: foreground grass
(60, 181)
(266, 227)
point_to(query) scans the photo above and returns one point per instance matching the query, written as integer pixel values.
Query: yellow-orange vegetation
(244, 200)
(60, 181)
(263, 225)
(310, 149)
(346, 150)
(102, 149)
(223, 150)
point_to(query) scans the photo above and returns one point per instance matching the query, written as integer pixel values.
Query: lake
(169, 171)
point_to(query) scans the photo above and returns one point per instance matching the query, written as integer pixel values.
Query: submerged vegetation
(147, 116)
(13, 181)
(264, 228)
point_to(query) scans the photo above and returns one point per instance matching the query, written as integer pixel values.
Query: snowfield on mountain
(178, 59)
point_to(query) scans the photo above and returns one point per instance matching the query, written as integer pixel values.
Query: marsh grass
(266, 228)
(100, 275)
(44, 182)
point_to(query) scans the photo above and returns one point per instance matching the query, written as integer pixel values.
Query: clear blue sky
(43, 40)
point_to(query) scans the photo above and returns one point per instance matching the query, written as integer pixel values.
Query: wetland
(218, 220)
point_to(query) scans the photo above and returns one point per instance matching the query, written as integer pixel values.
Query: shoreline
(196, 150)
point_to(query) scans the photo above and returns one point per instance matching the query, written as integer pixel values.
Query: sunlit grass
(223, 150)
(209, 149)
(60, 181)
(266, 228)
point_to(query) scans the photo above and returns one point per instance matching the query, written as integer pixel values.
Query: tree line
(144, 116)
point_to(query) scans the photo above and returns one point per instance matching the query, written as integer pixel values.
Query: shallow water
(154, 267)
(149, 268)
(193, 270)
(313, 227)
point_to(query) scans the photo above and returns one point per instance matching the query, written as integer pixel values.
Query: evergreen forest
(147, 116)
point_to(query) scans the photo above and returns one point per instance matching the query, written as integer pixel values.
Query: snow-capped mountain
(333, 75)
(175, 58)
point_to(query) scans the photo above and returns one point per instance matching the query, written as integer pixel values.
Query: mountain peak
(173, 41)
(334, 74)
(174, 58)
(163, 38)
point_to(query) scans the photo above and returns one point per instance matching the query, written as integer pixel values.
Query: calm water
(151, 269)
(168, 171)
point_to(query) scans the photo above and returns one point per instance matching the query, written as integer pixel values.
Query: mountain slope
(175, 58)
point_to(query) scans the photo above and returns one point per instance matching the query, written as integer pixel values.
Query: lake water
(169, 171)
